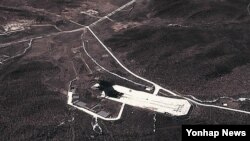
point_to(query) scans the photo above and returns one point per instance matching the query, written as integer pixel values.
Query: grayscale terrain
(52, 53)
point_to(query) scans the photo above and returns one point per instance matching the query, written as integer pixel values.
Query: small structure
(74, 102)
(103, 113)
(90, 12)
(149, 88)
(80, 104)
(105, 55)
(98, 68)
(75, 97)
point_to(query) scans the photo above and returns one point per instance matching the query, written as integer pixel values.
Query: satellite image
(122, 70)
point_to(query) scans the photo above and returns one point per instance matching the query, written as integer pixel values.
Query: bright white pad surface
(173, 106)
